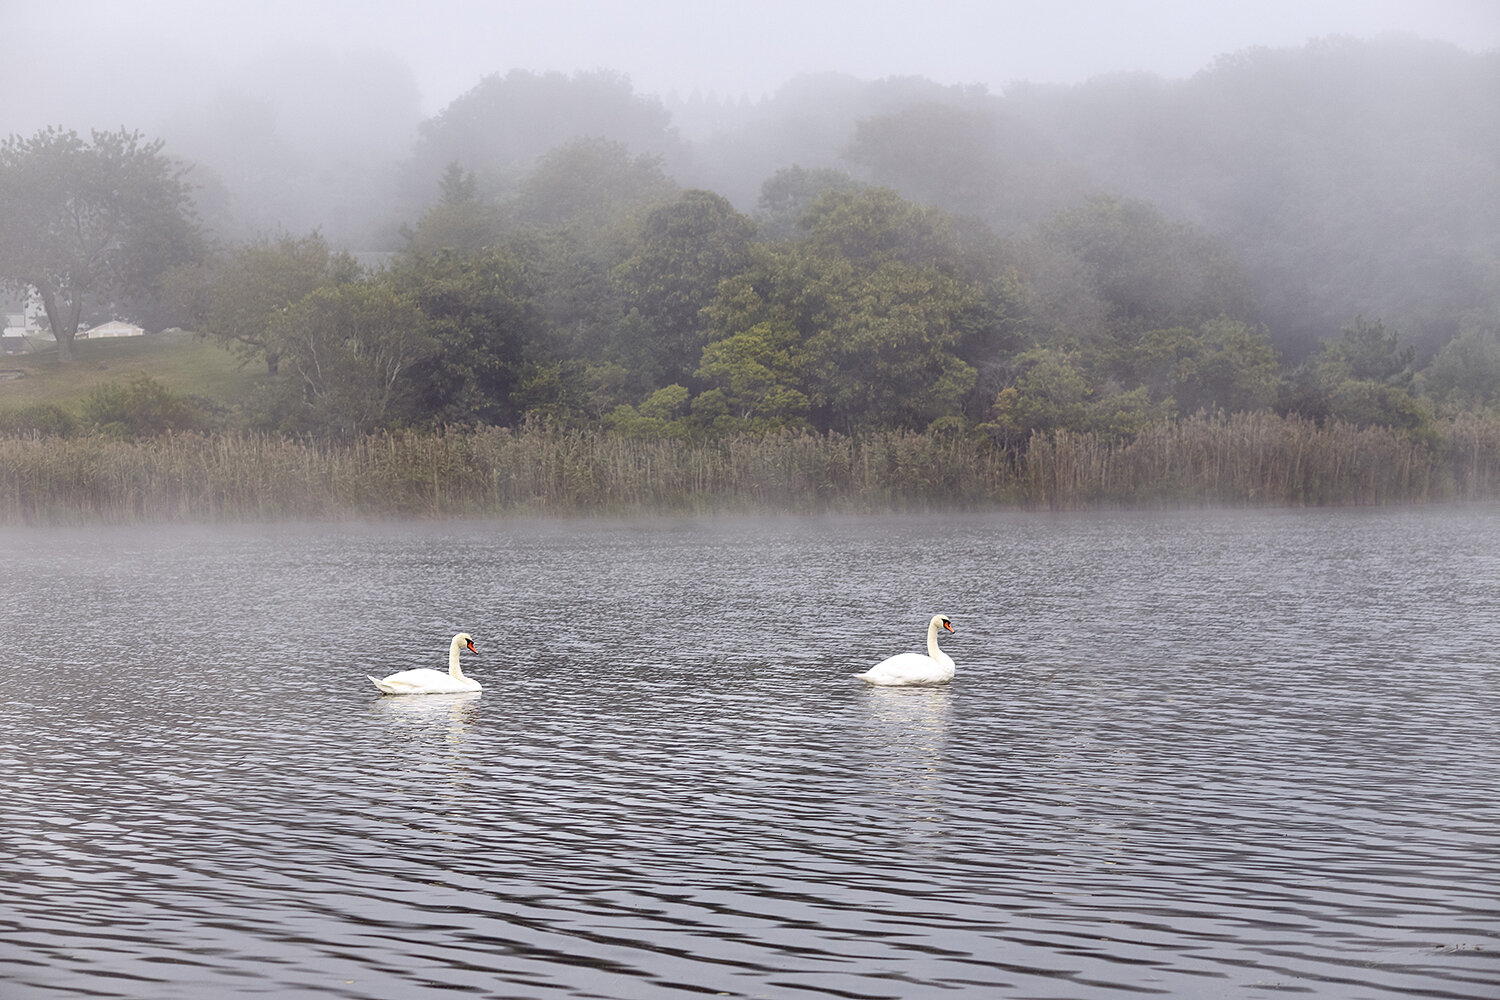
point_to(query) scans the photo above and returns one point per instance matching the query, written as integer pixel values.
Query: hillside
(181, 361)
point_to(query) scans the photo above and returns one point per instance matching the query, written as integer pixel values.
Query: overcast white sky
(128, 61)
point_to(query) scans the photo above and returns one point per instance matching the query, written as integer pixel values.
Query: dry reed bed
(1243, 459)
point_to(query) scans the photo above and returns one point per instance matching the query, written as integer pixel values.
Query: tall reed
(1246, 459)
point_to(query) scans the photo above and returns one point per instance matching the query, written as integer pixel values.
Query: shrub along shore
(1246, 459)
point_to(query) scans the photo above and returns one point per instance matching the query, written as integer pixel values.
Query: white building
(20, 332)
(13, 340)
(27, 327)
(114, 328)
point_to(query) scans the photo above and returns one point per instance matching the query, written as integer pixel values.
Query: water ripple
(1185, 755)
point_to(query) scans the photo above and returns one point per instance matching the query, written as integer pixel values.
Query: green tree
(1051, 391)
(663, 414)
(1235, 369)
(863, 318)
(236, 295)
(786, 195)
(1466, 372)
(1151, 272)
(503, 127)
(487, 334)
(569, 275)
(1364, 377)
(353, 346)
(886, 348)
(1367, 352)
(873, 226)
(755, 374)
(461, 221)
(1366, 402)
(590, 184)
(90, 220)
(573, 221)
(1223, 364)
(685, 249)
(889, 305)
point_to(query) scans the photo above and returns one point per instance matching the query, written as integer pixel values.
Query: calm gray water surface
(1223, 754)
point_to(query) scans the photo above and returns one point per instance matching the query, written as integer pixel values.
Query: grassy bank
(181, 361)
(1251, 459)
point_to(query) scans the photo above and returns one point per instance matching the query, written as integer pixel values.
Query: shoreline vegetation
(1247, 459)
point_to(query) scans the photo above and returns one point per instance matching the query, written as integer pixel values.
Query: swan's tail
(380, 685)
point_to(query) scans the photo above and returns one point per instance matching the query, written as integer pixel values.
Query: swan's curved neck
(454, 669)
(932, 646)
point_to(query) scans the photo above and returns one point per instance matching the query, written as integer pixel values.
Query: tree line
(1348, 177)
(590, 288)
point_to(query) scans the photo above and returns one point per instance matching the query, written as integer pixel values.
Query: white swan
(425, 680)
(914, 668)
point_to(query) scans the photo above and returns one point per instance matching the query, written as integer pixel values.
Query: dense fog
(1345, 177)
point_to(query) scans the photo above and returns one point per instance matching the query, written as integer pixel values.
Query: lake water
(1205, 754)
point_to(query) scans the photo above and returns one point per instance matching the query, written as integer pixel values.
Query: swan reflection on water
(908, 748)
(431, 708)
(910, 714)
(452, 714)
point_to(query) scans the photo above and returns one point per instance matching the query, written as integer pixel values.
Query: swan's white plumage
(914, 668)
(428, 681)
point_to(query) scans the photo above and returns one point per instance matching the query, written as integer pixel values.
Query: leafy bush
(140, 406)
(41, 419)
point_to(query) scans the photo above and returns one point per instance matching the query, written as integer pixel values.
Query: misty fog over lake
(690, 358)
(1300, 223)
(1341, 149)
(1194, 754)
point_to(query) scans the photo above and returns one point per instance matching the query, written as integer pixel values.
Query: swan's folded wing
(406, 682)
(905, 668)
(424, 681)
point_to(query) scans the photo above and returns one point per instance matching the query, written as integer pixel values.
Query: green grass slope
(181, 361)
